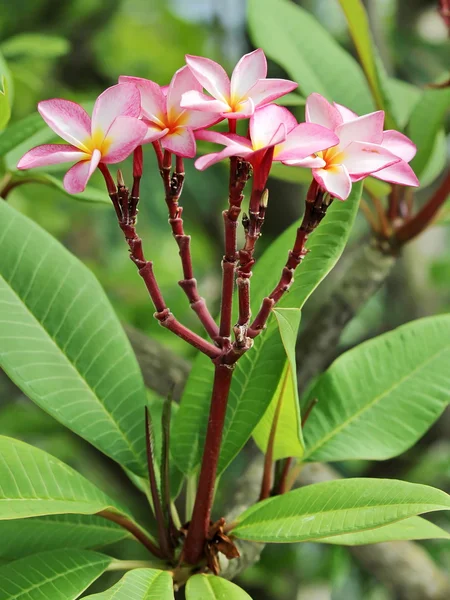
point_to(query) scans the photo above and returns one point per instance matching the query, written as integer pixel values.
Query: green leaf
(336, 507)
(437, 161)
(425, 123)
(20, 131)
(5, 72)
(90, 194)
(35, 45)
(358, 24)
(34, 483)
(62, 344)
(258, 372)
(140, 584)
(5, 108)
(58, 574)
(292, 99)
(404, 97)
(414, 528)
(294, 39)
(378, 399)
(210, 587)
(288, 437)
(29, 536)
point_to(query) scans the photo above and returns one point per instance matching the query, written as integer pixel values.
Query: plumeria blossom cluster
(339, 146)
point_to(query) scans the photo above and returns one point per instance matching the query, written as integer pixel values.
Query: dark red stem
(140, 535)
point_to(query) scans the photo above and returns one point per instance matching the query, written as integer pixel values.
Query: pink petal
(303, 140)
(368, 128)
(227, 139)
(267, 127)
(68, 119)
(76, 178)
(154, 132)
(181, 141)
(153, 99)
(362, 157)
(247, 72)
(211, 76)
(399, 144)
(267, 90)
(195, 119)
(243, 110)
(311, 162)
(400, 173)
(206, 161)
(197, 101)
(321, 112)
(183, 81)
(335, 180)
(122, 100)
(50, 154)
(124, 135)
(346, 113)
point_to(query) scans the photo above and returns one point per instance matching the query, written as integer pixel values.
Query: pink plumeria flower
(110, 137)
(272, 128)
(397, 143)
(165, 119)
(238, 98)
(358, 153)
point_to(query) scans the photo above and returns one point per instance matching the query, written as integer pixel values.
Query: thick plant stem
(134, 529)
(198, 528)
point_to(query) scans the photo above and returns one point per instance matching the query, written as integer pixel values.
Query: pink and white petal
(312, 162)
(368, 128)
(364, 158)
(400, 173)
(211, 76)
(305, 139)
(183, 81)
(320, 111)
(154, 132)
(346, 113)
(121, 100)
(207, 160)
(180, 141)
(68, 119)
(76, 178)
(335, 180)
(399, 144)
(195, 119)
(124, 135)
(267, 127)
(267, 90)
(197, 101)
(244, 110)
(250, 68)
(50, 154)
(227, 139)
(153, 99)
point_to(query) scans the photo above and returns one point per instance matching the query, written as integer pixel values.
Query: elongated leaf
(38, 534)
(337, 507)
(258, 372)
(5, 107)
(90, 194)
(414, 528)
(425, 123)
(404, 97)
(293, 38)
(34, 483)
(288, 437)
(56, 575)
(210, 587)
(140, 584)
(378, 399)
(35, 45)
(62, 344)
(20, 131)
(358, 24)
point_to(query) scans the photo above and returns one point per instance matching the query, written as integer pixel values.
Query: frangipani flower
(163, 115)
(238, 98)
(363, 148)
(110, 137)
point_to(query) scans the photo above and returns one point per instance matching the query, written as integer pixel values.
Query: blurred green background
(76, 48)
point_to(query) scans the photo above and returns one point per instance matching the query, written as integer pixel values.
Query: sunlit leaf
(210, 587)
(140, 584)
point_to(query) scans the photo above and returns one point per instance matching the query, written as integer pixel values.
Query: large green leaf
(55, 575)
(210, 587)
(425, 123)
(336, 507)
(414, 528)
(404, 97)
(62, 344)
(21, 131)
(378, 399)
(34, 483)
(90, 194)
(5, 107)
(259, 371)
(35, 45)
(29, 536)
(140, 584)
(293, 38)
